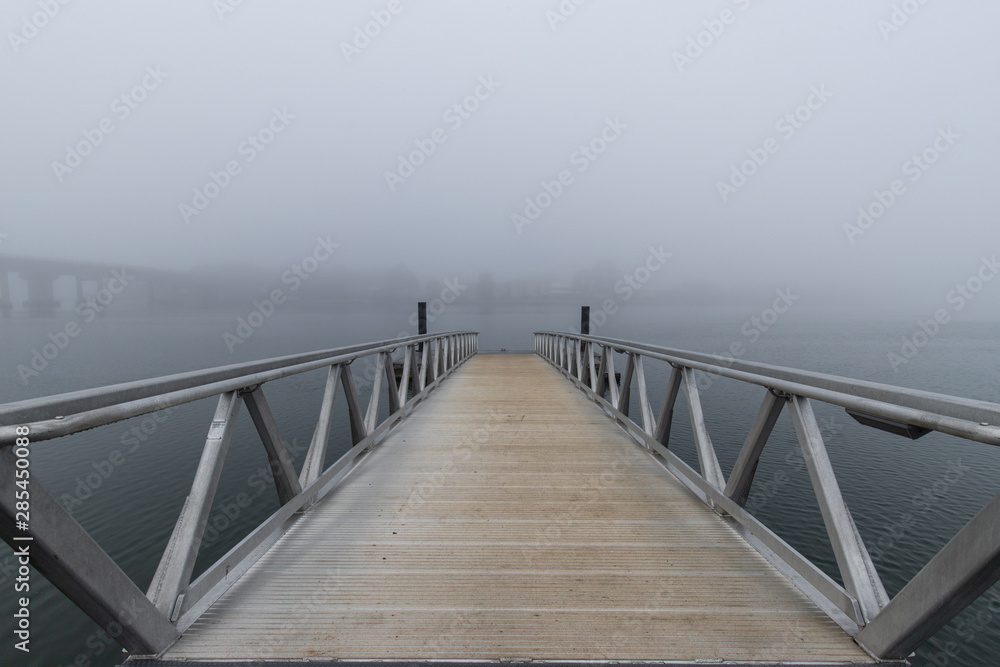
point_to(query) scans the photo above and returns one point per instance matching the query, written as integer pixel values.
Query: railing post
(62, 551)
(174, 571)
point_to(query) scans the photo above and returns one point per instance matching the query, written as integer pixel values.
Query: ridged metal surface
(508, 517)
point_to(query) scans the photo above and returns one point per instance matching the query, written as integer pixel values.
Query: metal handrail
(149, 623)
(889, 629)
(951, 406)
(63, 414)
(965, 418)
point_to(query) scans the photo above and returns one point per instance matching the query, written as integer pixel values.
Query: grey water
(125, 483)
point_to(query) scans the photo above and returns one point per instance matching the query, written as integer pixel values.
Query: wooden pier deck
(509, 518)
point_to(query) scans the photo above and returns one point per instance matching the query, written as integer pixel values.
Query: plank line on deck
(509, 517)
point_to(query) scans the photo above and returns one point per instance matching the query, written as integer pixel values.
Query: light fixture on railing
(889, 425)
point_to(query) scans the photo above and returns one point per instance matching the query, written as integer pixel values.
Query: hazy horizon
(844, 150)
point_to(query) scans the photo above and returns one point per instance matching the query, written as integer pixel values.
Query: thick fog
(845, 150)
(238, 180)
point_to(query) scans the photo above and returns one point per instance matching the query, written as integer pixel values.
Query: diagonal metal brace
(860, 577)
(174, 571)
(707, 459)
(358, 430)
(741, 478)
(62, 551)
(962, 571)
(666, 417)
(313, 465)
(285, 480)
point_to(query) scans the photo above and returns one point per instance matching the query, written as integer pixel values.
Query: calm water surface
(126, 487)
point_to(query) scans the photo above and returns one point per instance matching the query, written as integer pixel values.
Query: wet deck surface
(508, 517)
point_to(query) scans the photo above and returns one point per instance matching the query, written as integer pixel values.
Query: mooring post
(421, 322)
(6, 305)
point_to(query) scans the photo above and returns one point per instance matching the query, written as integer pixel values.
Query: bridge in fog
(93, 281)
(508, 507)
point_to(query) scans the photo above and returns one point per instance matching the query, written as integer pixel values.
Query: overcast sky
(668, 98)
